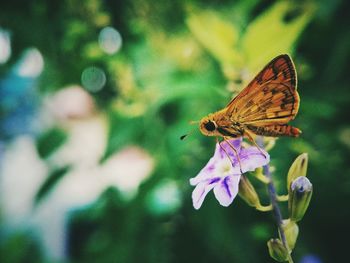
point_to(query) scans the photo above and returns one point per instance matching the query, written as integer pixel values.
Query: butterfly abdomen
(293, 131)
(275, 130)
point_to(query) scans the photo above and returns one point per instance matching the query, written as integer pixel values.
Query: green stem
(273, 197)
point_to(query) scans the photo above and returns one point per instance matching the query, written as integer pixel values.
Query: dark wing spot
(285, 74)
(275, 71)
(249, 104)
(274, 91)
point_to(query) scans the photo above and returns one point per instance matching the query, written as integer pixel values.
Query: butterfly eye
(210, 126)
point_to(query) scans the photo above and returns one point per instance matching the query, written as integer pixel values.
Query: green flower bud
(276, 250)
(298, 168)
(291, 231)
(247, 192)
(299, 198)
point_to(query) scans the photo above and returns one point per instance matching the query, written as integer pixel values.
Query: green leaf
(50, 141)
(50, 182)
(122, 130)
(274, 32)
(219, 37)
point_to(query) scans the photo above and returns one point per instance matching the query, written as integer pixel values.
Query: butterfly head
(208, 126)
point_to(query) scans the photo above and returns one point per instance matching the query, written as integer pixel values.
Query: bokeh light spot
(110, 40)
(165, 198)
(31, 64)
(5, 46)
(93, 79)
(310, 258)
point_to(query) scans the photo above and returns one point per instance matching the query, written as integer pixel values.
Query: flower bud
(276, 250)
(298, 168)
(247, 192)
(291, 231)
(299, 198)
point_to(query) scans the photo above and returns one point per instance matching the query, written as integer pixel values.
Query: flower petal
(226, 146)
(236, 143)
(252, 158)
(201, 190)
(226, 190)
(206, 173)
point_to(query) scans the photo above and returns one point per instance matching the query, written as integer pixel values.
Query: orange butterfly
(264, 107)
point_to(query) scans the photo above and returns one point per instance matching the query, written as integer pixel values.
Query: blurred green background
(94, 96)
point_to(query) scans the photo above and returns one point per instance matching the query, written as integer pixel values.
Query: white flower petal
(252, 158)
(226, 148)
(206, 173)
(226, 190)
(200, 192)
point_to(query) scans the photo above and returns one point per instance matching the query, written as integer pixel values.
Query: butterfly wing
(270, 99)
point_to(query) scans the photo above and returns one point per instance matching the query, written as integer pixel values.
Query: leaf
(122, 130)
(50, 141)
(274, 32)
(217, 36)
(50, 182)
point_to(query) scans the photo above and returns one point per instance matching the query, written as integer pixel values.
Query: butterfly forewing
(270, 99)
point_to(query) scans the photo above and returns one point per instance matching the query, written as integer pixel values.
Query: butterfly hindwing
(274, 130)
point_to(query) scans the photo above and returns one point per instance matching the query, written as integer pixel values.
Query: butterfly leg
(251, 139)
(239, 161)
(236, 153)
(217, 141)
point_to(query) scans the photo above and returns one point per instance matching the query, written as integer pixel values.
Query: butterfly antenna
(185, 135)
(188, 134)
(194, 122)
(182, 137)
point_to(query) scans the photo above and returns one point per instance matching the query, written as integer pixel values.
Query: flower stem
(277, 212)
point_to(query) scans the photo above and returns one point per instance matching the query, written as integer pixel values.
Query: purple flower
(222, 175)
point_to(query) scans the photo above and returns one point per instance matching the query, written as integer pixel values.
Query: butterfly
(263, 108)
